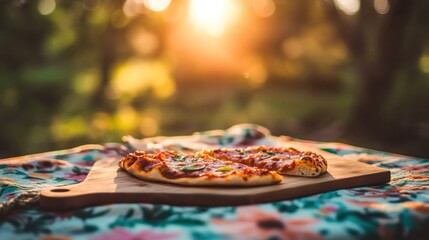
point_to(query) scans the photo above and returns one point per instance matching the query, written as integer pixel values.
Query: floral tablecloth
(398, 210)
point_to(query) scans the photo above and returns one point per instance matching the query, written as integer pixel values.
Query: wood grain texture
(106, 184)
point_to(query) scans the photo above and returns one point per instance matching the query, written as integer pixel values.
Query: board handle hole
(60, 190)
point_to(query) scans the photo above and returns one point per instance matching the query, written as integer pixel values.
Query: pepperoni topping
(278, 159)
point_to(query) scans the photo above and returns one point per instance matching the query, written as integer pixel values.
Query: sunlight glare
(349, 7)
(157, 5)
(46, 7)
(138, 75)
(142, 41)
(212, 16)
(381, 6)
(264, 8)
(132, 8)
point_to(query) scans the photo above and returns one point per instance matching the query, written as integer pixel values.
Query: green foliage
(89, 213)
(36, 225)
(286, 207)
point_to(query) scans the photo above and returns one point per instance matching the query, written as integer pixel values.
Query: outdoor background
(91, 71)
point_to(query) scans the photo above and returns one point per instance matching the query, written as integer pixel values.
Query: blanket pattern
(397, 210)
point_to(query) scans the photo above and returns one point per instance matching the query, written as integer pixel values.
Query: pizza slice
(195, 170)
(284, 160)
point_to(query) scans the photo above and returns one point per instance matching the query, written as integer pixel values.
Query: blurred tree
(28, 90)
(386, 49)
(60, 61)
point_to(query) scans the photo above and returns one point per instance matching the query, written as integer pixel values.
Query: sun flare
(212, 17)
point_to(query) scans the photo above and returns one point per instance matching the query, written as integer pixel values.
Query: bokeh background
(91, 71)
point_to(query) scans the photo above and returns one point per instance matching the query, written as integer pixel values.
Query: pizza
(251, 166)
(195, 170)
(284, 160)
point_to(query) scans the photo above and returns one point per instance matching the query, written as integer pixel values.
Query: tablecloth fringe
(28, 199)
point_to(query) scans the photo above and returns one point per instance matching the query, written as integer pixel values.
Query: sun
(214, 16)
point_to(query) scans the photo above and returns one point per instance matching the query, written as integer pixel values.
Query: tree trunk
(373, 90)
(381, 46)
(107, 59)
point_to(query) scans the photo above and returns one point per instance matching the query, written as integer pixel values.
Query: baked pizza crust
(229, 180)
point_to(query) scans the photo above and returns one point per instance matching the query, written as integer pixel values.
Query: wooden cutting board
(106, 184)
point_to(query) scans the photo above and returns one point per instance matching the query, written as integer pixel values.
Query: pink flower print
(64, 215)
(252, 222)
(416, 168)
(328, 209)
(74, 176)
(85, 163)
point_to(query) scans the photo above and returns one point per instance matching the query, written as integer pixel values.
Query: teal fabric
(398, 210)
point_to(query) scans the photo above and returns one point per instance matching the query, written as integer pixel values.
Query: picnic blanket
(397, 210)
